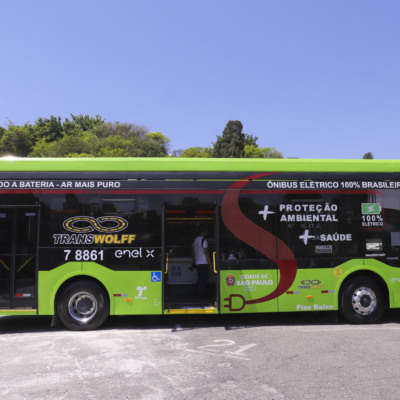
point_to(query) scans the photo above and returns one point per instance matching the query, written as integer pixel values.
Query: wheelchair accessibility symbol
(156, 276)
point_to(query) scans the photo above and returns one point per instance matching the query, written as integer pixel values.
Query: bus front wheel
(362, 300)
(82, 306)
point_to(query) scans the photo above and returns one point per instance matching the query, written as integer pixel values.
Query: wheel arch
(365, 273)
(78, 278)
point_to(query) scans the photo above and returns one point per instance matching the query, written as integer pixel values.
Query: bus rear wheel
(362, 301)
(82, 306)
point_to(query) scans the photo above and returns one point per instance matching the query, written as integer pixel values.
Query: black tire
(83, 306)
(362, 300)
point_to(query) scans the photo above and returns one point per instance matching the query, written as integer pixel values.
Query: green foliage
(124, 130)
(368, 156)
(79, 155)
(81, 136)
(85, 143)
(231, 143)
(160, 140)
(250, 140)
(85, 136)
(16, 140)
(117, 146)
(235, 144)
(49, 129)
(261, 152)
(85, 122)
(197, 152)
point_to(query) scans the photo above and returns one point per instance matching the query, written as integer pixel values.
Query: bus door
(18, 256)
(182, 292)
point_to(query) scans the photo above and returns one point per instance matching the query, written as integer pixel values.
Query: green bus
(82, 239)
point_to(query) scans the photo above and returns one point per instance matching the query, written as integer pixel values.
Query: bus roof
(171, 164)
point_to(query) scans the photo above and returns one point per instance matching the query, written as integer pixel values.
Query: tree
(87, 144)
(85, 122)
(53, 128)
(231, 143)
(125, 130)
(197, 152)
(81, 136)
(160, 140)
(250, 140)
(16, 141)
(49, 129)
(368, 156)
(117, 146)
(259, 152)
(83, 145)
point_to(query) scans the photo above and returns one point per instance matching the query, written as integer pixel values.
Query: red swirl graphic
(261, 240)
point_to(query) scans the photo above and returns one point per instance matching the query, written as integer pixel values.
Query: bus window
(307, 223)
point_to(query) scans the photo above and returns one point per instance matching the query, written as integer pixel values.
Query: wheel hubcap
(364, 301)
(82, 307)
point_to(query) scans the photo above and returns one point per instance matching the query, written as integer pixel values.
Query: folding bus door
(181, 225)
(18, 256)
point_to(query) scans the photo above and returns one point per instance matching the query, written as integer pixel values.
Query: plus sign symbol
(265, 212)
(305, 236)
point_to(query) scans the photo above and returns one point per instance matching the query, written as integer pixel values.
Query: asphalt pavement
(271, 356)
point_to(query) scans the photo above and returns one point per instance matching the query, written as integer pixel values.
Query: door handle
(214, 263)
(166, 263)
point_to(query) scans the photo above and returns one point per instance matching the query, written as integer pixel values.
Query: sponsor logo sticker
(230, 280)
(370, 208)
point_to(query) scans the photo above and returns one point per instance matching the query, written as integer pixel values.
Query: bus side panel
(318, 289)
(243, 290)
(50, 281)
(312, 290)
(391, 276)
(130, 292)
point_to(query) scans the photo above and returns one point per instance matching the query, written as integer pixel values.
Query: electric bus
(82, 239)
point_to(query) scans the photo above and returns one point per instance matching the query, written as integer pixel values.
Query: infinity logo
(311, 282)
(90, 224)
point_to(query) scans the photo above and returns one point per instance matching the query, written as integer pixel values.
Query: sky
(312, 78)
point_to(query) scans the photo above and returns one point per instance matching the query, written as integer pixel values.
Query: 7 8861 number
(84, 255)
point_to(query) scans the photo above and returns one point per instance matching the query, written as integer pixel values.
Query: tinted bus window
(309, 224)
(241, 244)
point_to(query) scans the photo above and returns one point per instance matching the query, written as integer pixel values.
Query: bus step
(191, 309)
